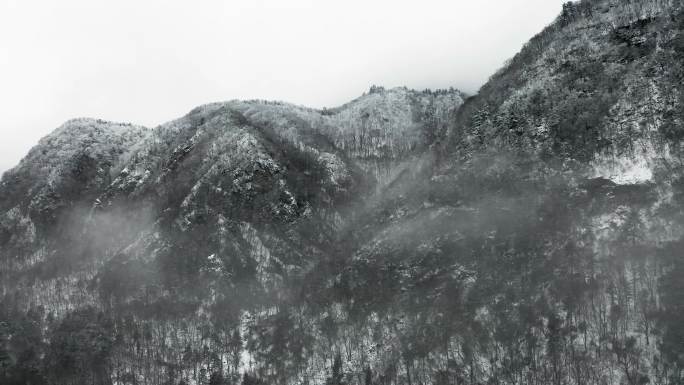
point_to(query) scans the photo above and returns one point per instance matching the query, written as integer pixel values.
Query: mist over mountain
(530, 234)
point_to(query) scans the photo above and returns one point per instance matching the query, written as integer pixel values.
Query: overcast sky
(151, 61)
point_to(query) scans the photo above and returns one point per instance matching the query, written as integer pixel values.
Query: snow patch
(624, 170)
(246, 357)
(633, 167)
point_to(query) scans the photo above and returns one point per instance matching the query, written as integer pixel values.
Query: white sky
(150, 61)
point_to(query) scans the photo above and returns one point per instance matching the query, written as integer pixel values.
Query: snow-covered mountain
(530, 234)
(246, 197)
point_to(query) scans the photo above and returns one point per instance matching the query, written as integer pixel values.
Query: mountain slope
(220, 213)
(602, 80)
(543, 245)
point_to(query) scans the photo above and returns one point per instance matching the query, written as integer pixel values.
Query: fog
(149, 62)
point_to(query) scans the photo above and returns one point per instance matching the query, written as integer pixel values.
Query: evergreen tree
(216, 379)
(337, 377)
(5, 359)
(368, 376)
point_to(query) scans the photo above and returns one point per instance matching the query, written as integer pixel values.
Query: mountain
(530, 234)
(223, 212)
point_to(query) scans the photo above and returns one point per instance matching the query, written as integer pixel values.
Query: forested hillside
(530, 234)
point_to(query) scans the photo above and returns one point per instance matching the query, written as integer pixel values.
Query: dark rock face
(531, 236)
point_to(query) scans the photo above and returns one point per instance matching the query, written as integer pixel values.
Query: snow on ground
(624, 170)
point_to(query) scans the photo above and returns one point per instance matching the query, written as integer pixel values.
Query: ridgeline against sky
(142, 62)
